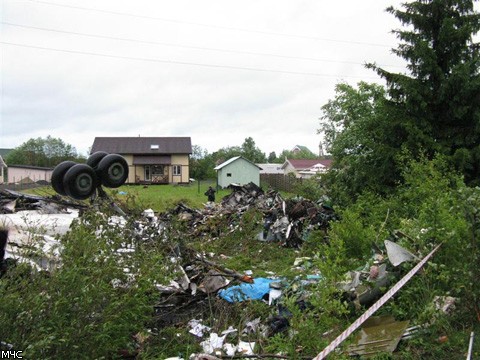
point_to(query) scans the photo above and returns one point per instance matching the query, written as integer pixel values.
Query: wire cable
(272, 33)
(150, 42)
(153, 60)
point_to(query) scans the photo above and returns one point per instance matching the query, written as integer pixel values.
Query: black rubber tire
(95, 158)
(112, 170)
(58, 174)
(80, 182)
(93, 161)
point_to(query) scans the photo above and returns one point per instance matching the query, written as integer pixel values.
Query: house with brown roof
(151, 160)
(306, 168)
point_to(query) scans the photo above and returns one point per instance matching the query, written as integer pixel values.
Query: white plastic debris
(245, 348)
(117, 220)
(251, 326)
(197, 328)
(213, 343)
(273, 295)
(229, 349)
(148, 213)
(230, 330)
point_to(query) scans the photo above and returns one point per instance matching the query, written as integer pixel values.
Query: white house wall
(241, 172)
(16, 175)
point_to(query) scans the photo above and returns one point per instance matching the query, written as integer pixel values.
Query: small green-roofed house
(237, 170)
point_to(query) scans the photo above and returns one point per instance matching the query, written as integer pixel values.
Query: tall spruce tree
(436, 107)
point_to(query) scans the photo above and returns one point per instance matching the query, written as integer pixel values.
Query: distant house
(306, 168)
(27, 174)
(152, 160)
(301, 149)
(4, 152)
(270, 168)
(3, 166)
(237, 170)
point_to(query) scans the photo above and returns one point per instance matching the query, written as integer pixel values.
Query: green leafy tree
(202, 164)
(47, 152)
(248, 150)
(251, 152)
(272, 157)
(436, 107)
(226, 153)
(302, 154)
(359, 135)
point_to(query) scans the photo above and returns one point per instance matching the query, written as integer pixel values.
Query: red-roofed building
(306, 168)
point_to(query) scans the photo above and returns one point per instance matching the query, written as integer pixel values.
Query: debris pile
(198, 278)
(12, 202)
(285, 221)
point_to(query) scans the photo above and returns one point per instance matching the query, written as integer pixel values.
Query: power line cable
(272, 33)
(230, 67)
(150, 42)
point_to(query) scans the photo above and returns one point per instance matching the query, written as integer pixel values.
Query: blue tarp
(244, 291)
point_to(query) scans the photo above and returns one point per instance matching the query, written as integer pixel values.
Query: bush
(89, 307)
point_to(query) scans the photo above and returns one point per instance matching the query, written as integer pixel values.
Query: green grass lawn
(163, 197)
(158, 197)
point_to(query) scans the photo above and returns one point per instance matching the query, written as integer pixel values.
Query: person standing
(210, 193)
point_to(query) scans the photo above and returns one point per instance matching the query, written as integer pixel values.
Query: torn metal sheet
(397, 254)
(379, 334)
(46, 205)
(35, 230)
(213, 282)
(8, 207)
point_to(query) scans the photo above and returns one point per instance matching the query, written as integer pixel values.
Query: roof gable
(301, 148)
(143, 145)
(233, 159)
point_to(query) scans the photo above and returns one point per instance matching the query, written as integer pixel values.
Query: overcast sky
(218, 70)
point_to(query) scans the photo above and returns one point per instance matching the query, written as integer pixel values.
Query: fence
(24, 183)
(280, 181)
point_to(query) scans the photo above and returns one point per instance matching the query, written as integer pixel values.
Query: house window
(158, 170)
(177, 170)
(229, 174)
